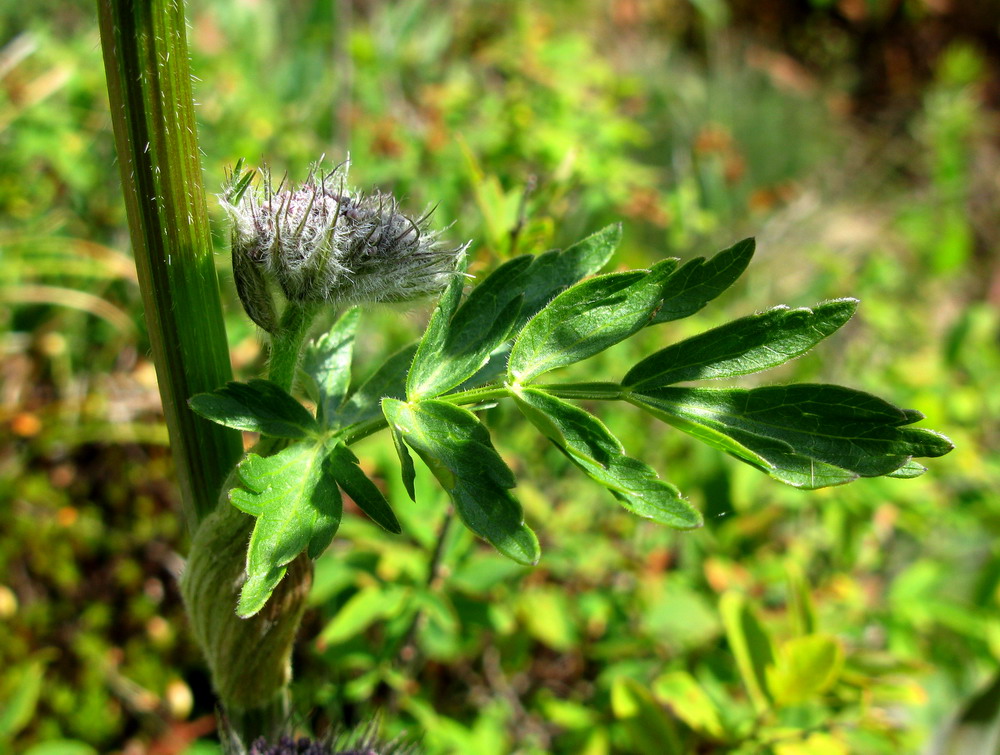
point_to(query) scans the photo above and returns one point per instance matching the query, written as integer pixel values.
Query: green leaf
(908, 471)
(21, 688)
(699, 281)
(586, 319)
(806, 435)
(259, 406)
(298, 507)
(61, 747)
(805, 667)
(551, 273)
(364, 608)
(750, 344)
(689, 702)
(650, 729)
(327, 362)
(750, 645)
(388, 381)
(457, 449)
(408, 473)
(344, 467)
(453, 351)
(591, 446)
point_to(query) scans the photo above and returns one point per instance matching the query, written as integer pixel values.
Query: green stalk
(149, 85)
(286, 346)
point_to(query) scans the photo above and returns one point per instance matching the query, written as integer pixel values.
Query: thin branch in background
(522, 213)
(409, 653)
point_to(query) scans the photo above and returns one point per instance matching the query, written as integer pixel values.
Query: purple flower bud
(318, 242)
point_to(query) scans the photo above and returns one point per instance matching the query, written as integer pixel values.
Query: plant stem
(287, 343)
(149, 87)
(493, 393)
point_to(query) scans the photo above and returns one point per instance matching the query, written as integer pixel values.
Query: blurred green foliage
(856, 619)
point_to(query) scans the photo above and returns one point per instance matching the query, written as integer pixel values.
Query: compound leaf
(806, 435)
(749, 344)
(259, 406)
(478, 333)
(298, 507)
(586, 319)
(591, 446)
(457, 449)
(699, 281)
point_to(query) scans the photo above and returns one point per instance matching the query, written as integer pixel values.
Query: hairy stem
(286, 347)
(149, 87)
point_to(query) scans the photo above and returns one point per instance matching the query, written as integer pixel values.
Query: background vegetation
(856, 139)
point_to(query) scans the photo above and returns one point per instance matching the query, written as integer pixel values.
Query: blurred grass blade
(750, 645)
(149, 86)
(976, 728)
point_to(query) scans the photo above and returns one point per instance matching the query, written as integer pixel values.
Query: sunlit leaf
(586, 319)
(749, 344)
(298, 507)
(699, 281)
(807, 435)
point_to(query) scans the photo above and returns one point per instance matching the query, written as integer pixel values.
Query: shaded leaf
(457, 449)
(699, 281)
(344, 467)
(388, 381)
(298, 507)
(327, 362)
(259, 406)
(649, 727)
(586, 319)
(749, 344)
(591, 446)
(806, 435)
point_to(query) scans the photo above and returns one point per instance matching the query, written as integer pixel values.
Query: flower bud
(318, 242)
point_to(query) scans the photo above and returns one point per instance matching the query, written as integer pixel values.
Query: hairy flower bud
(318, 242)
